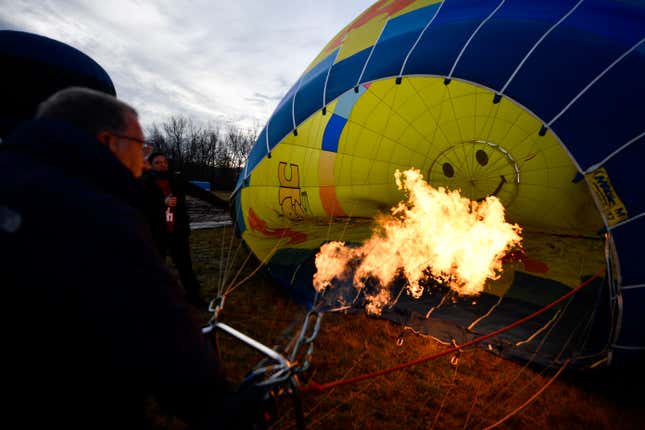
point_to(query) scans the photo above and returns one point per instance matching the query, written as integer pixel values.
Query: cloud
(212, 61)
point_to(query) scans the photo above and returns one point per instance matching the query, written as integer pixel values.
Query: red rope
(314, 386)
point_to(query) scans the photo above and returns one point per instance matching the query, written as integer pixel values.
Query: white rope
(419, 38)
(526, 57)
(617, 310)
(293, 105)
(632, 287)
(501, 389)
(481, 24)
(443, 300)
(620, 224)
(220, 277)
(231, 257)
(396, 299)
(293, 277)
(324, 101)
(267, 138)
(628, 348)
(611, 263)
(590, 84)
(486, 315)
(607, 158)
(530, 400)
(358, 82)
(540, 330)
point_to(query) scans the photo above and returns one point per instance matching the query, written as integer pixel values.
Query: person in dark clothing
(94, 323)
(165, 209)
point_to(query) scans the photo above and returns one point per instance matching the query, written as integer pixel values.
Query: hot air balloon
(537, 103)
(35, 67)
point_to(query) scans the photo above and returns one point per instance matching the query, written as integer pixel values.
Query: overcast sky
(212, 60)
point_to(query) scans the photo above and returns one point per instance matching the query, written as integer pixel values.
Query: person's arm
(200, 193)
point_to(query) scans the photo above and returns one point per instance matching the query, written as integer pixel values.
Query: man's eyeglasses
(146, 148)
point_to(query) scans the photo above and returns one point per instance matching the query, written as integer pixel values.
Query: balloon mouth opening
(461, 138)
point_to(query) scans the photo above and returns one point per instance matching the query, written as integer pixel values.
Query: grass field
(473, 390)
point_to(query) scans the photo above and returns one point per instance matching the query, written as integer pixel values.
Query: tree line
(203, 152)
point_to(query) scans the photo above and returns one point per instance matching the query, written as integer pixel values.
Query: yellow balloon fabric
(537, 103)
(304, 195)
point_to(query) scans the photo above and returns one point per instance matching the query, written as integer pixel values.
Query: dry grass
(475, 392)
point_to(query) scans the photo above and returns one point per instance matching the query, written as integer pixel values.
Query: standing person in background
(94, 323)
(165, 209)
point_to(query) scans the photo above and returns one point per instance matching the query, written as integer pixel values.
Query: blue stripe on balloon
(332, 133)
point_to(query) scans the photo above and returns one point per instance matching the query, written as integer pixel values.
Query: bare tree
(202, 149)
(156, 138)
(175, 130)
(239, 143)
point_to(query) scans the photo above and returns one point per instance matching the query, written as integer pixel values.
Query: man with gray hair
(114, 123)
(94, 323)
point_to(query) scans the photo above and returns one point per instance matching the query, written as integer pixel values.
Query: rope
(324, 104)
(358, 81)
(610, 156)
(416, 42)
(472, 36)
(596, 79)
(314, 386)
(230, 260)
(539, 41)
(496, 402)
(531, 399)
(445, 397)
(233, 286)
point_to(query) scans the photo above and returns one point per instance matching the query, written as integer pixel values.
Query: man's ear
(107, 139)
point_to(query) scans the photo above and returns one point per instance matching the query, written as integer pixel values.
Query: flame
(437, 233)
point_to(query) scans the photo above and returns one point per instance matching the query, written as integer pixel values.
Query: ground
(472, 390)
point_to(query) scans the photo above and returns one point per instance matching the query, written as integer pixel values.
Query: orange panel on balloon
(326, 182)
(330, 202)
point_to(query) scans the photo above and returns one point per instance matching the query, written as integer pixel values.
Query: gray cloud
(263, 100)
(229, 62)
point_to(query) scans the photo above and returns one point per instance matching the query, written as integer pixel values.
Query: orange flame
(437, 233)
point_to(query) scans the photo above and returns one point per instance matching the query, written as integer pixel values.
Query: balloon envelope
(538, 103)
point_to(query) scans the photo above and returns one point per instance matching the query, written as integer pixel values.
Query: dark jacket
(93, 322)
(155, 207)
